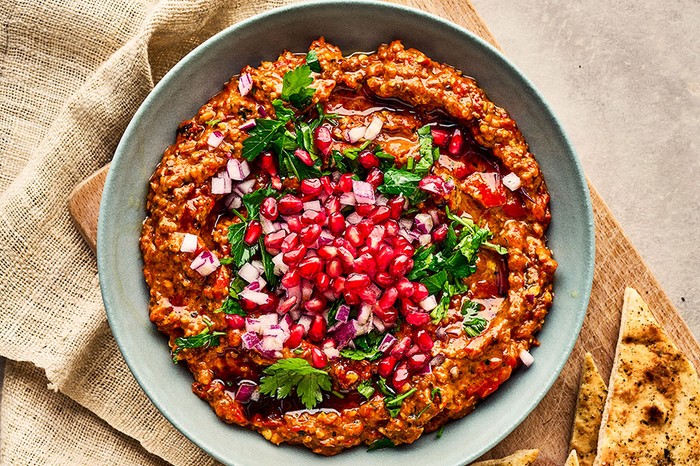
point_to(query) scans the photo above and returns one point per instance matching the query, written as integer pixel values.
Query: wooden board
(618, 265)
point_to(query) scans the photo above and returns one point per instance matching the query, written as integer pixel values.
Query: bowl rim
(104, 262)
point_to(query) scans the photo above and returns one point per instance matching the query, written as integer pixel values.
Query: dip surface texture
(374, 219)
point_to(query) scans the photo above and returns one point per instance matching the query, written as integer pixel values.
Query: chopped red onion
(245, 187)
(512, 181)
(424, 240)
(343, 313)
(272, 343)
(365, 314)
(382, 200)
(261, 111)
(268, 320)
(245, 391)
(286, 323)
(189, 243)
(354, 218)
(260, 283)
(433, 184)
(363, 191)
(387, 342)
(373, 129)
(275, 331)
(215, 139)
(426, 370)
(250, 340)
(354, 134)
(233, 201)
(305, 321)
(254, 286)
(238, 170)
(205, 263)
(307, 289)
(313, 205)
(220, 185)
(378, 324)
(325, 238)
(344, 333)
(248, 273)
(429, 303)
(258, 265)
(248, 125)
(437, 360)
(491, 180)
(347, 199)
(267, 226)
(280, 267)
(245, 83)
(255, 296)
(424, 223)
(526, 357)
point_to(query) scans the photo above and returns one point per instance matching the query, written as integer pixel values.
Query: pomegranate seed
(375, 177)
(293, 256)
(367, 159)
(401, 242)
(405, 288)
(334, 268)
(234, 321)
(311, 217)
(396, 206)
(364, 209)
(309, 235)
(420, 292)
(271, 304)
(304, 156)
(357, 281)
(290, 242)
(400, 377)
(327, 252)
(274, 241)
(276, 182)
(383, 279)
(253, 232)
(352, 298)
(349, 247)
(386, 366)
(268, 208)
(332, 205)
(290, 204)
(310, 266)
(417, 318)
(287, 305)
(417, 361)
(344, 183)
(401, 347)
(368, 296)
(336, 223)
(318, 358)
(327, 185)
(440, 233)
(296, 333)
(399, 265)
(316, 306)
(408, 307)
(424, 340)
(384, 256)
(267, 163)
(346, 257)
(440, 136)
(379, 214)
(433, 184)
(388, 315)
(388, 298)
(311, 186)
(456, 142)
(407, 250)
(323, 281)
(294, 223)
(391, 227)
(365, 227)
(291, 278)
(323, 139)
(352, 234)
(338, 285)
(366, 263)
(247, 304)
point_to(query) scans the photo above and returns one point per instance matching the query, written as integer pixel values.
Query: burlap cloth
(72, 74)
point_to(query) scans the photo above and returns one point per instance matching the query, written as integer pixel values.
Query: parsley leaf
(204, 339)
(231, 306)
(312, 61)
(296, 374)
(440, 431)
(260, 137)
(366, 347)
(252, 201)
(398, 181)
(240, 251)
(393, 404)
(366, 389)
(428, 153)
(380, 444)
(295, 86)
(282, 113)
(473, 324)
(268, 265)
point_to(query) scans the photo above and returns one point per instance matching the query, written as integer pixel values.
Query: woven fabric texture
(72, 74)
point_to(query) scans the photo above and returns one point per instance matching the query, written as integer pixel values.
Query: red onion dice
(205, 263)
(189, 243)
(245, 83)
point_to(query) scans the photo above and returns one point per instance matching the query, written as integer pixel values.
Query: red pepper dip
(348, 250)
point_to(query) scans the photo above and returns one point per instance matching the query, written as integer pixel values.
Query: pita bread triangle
(572, 460)
(519, 458)
(652, 412)
(589, 412)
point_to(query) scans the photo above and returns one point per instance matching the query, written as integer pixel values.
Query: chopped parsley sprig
(204, 339)
(295, 374)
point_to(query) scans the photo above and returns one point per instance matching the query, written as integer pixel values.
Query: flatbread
(589, 412)
(652, 413)
(519, 458)
(572, 460)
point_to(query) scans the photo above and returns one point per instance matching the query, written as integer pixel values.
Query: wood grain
(618, 265)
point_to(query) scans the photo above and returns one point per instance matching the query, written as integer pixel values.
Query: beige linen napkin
(72, 73)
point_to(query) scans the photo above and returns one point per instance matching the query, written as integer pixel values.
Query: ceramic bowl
(354, 26)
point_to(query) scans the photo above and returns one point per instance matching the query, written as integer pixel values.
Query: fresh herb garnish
(212, 122)
(260, 137)
(381, 444)
(400, 181)
(231, 306)
(283, 113)
(366, 389)
(366, 347)
(428, 153)
(440, 431)
(252, 201)
(296, 374)
(312, 61)
(473, 324)
(268, 265)
(393, 404)
(240, 251)
(204, 339)
(296, 86)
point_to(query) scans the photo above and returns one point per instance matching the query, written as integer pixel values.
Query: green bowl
(352, 25)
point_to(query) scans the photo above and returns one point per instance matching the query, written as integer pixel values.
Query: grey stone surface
(624, 78)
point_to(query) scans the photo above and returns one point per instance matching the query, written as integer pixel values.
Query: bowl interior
(354, 26)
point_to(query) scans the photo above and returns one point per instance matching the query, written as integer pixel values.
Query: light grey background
(624, 78)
